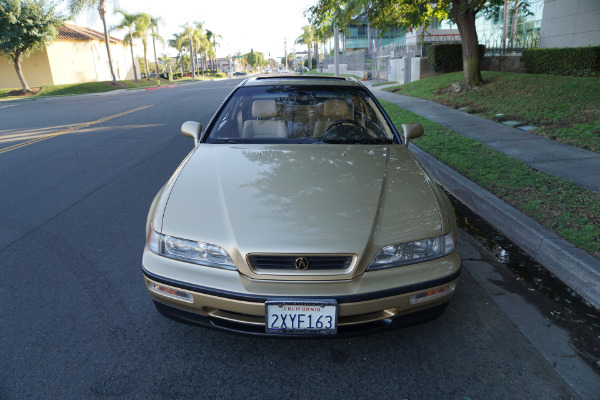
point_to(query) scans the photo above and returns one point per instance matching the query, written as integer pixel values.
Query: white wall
(570, 23)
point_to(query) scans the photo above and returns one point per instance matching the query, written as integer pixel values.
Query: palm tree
(178, 42)
(307, 38)
(142, 24)
(77, 6)
(186, 60)
(154, 21)
(128, 22)
(211, 35)
(165, 59)
(188, 33)
(199, 42)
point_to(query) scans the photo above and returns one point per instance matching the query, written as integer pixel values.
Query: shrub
(579, 61)
(448, 57)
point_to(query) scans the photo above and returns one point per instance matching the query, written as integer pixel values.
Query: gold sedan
(301, 211)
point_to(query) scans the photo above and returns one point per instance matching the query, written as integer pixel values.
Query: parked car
(240, 73)
(301, 211)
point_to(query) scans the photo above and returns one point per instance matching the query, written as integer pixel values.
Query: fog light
(171, 292)
(432, 294)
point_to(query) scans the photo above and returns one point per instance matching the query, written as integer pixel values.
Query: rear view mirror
(411, 131)
(192, 129)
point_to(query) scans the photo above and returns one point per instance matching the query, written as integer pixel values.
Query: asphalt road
(76, 321)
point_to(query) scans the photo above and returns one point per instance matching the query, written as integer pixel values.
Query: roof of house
(74, 32)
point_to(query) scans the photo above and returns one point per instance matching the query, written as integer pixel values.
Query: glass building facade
(526, 32)
(358, 37)
(527, 23)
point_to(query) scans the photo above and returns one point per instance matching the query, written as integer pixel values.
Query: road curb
(576, 268)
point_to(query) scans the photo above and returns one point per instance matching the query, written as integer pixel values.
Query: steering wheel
(328, 134)
(341, 122)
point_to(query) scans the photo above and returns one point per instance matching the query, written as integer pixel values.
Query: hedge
(448, 57)
(578, 61)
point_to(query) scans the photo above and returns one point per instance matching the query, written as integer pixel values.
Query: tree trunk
(155, 58)
(464, 16)
(146, 62)
(132, 56)
(191, 55)
(17, 62)
(369, 44)
(309, 57)
(101, 11)
(505, 26)
(514, 24)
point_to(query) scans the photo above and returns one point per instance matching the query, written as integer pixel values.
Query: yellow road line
(69, 130)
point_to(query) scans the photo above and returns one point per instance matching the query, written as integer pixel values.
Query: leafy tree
(255, 59)
(307, 38)
(77, 6)
(128, 22)
(412, 13)
(26, 26)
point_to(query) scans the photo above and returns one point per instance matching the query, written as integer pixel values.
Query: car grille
(288, 263)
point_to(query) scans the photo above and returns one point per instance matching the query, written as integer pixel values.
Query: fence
(379, 62)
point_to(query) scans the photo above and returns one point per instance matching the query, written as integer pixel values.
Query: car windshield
(300, 114)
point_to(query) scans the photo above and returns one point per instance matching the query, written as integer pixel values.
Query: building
(570, 23)
(76, 55)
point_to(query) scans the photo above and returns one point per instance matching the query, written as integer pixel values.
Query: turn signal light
(171, 292)
(432, 293)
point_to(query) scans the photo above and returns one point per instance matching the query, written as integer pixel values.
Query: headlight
(413, 252)
(191, 251)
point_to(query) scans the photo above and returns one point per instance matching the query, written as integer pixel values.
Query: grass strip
(570, 211)
(563, 108)
(94, 87)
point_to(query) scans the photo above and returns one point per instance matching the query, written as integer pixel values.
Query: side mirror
(192, 129)
(411, 131)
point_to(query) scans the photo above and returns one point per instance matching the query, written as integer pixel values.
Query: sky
(261, 25)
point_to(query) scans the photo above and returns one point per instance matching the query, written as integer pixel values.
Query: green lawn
(563, 108)
(563, 207)
(93, 87)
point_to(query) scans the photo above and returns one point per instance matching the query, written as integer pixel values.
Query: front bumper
(366, 328)
(373, 302)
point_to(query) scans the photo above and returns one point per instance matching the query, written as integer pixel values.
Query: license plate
(301, 317)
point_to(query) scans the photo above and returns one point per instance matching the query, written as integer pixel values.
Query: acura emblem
(302, 263)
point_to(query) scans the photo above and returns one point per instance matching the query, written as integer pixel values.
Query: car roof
(302, 80)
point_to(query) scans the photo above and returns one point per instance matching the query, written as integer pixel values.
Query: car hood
(314, 198)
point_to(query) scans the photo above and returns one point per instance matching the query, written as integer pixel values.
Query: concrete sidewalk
(579, 166)
(573, 266)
